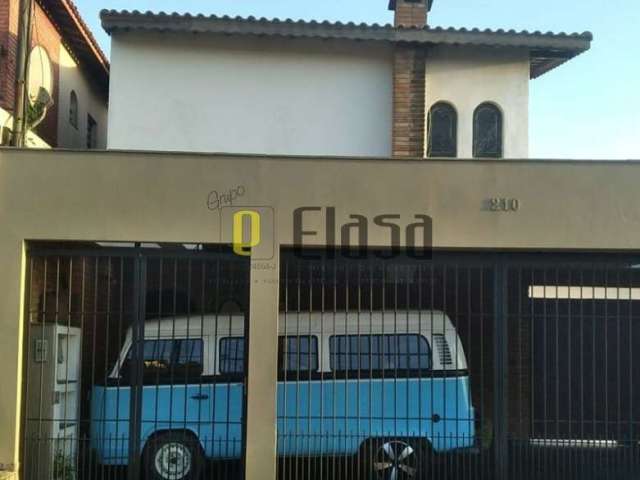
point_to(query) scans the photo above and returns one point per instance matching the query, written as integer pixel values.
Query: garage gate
(449, 365)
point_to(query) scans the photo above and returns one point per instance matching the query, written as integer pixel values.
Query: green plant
(34, 113)
(63, 467)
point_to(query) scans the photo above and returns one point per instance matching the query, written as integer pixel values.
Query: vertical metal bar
(500, 372)
(137, 349)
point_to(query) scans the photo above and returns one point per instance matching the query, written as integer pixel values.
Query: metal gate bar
(94, 408)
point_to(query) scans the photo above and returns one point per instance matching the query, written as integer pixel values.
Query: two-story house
(67, 62)
(246, 85)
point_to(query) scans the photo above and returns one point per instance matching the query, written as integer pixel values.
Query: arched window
(442, 128)
(487, 131)
(73, 109)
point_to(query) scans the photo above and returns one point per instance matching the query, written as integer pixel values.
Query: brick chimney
(409, 82)
(410, 13)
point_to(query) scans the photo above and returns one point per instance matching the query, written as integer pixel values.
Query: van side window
(366, 353)
(298, 354)
(169, 358)
(295, 354)
(232, 356)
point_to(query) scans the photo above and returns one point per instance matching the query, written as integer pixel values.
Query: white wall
(89, 102)
(32, 140)
(467, 77)
(248, 95)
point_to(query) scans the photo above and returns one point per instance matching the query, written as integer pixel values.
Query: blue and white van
(395, 381)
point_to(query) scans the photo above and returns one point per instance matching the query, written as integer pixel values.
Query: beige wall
(249, 95)
(89, 102)
(163, 198)
(467, 77)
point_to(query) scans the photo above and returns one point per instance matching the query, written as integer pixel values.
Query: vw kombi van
(397, 382)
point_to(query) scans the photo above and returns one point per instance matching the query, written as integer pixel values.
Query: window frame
(219, 359)
(74, 114)
(314, 351)
(92, 132)
(452, 110)
(174, 372)
(500, 131)
(296, 373)
(380, 371)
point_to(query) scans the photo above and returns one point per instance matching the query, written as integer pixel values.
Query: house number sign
(502, 204)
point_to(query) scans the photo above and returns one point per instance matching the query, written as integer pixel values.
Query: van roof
(304, 323)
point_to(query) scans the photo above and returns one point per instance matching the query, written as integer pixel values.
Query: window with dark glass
(92, 132)
(170, 357)
(442, 128)
(298, 354)
(232, 356)
(367, 353)
(487, 131)
(295, 354)
(73, 109)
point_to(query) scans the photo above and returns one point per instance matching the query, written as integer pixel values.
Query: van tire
(173, 456)
(409, 457)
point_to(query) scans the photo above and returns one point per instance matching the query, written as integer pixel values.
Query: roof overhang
(547, 50)
(77, 36)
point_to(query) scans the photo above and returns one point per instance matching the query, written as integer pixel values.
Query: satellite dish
(40, 86)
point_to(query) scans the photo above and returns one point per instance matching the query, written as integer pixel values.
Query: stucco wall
(108, 196)
(243, 95)
(89, 102)
(467, 77)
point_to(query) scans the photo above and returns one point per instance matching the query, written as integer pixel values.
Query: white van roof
(305, 323)
(432, 324)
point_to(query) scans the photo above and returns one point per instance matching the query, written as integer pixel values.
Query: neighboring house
(66, 60)
(220, 84)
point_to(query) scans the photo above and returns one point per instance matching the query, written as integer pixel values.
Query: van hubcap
(173, 461)
(395, 461)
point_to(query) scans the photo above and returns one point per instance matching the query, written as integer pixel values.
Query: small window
(73, 109)
(232, 356)
(376, 353)
(487, 131)
(442, 128)
(295, 354)
(298, 354)
(169, 358)
(92, 132)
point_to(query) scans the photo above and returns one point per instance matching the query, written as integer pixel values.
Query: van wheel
(173, 456)
(405, 459)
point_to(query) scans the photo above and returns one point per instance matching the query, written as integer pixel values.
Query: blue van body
(314, 417)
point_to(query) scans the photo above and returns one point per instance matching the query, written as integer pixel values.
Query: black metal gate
(457, 366)
(462, 365)
(123, 376)
(574, 391)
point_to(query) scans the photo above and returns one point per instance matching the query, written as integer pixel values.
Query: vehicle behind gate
(346, 380)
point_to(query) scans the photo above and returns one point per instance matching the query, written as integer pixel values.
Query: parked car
(388, 388)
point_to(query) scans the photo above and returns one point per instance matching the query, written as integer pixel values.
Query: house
(246, 85)
(166, 311)
(67, 62)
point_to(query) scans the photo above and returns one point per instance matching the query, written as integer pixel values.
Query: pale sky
(588, 108)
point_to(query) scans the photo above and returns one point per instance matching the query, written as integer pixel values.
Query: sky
(588, 108)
